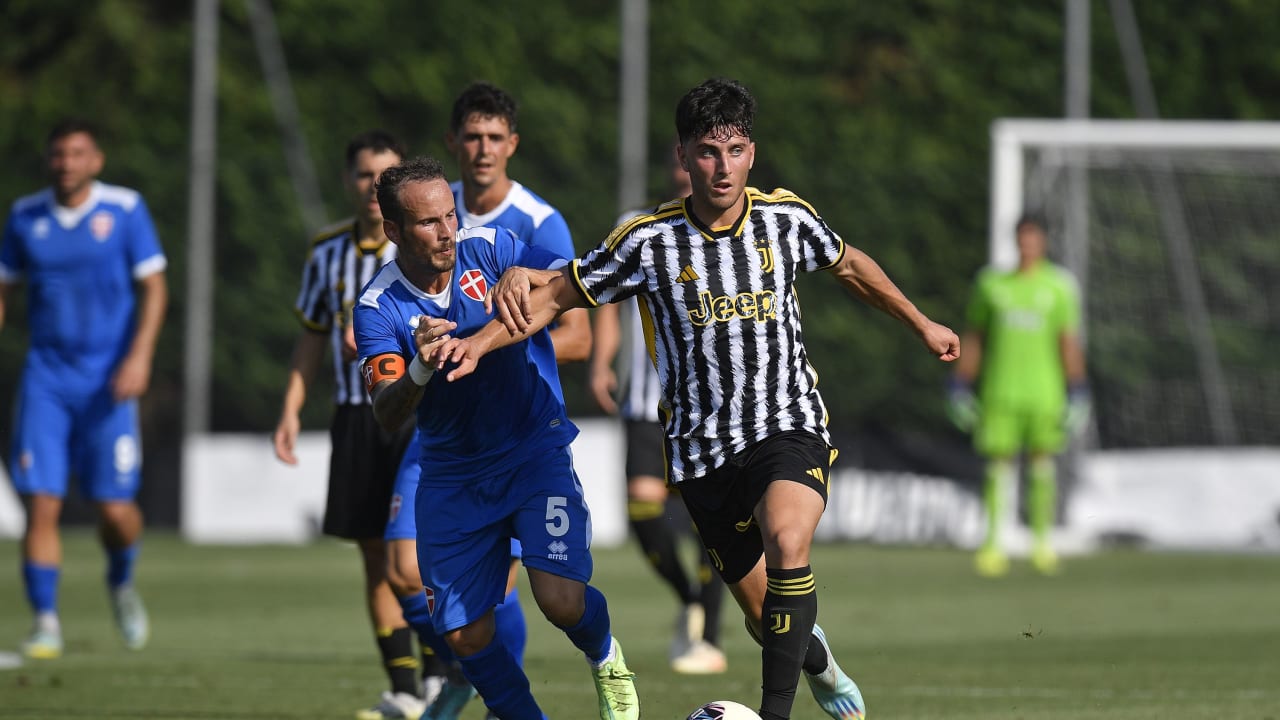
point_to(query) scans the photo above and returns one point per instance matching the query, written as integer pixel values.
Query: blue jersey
(79, 265)
(531, 218)
(537, 223)
(504, 413)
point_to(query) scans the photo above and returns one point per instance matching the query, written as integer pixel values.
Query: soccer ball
(723, 710)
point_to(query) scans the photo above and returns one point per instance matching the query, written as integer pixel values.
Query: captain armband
(387, 366)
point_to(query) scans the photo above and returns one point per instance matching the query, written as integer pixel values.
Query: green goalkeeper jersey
(1022, 317)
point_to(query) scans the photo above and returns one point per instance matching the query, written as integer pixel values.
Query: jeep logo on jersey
(473, 284)
(758, 306)
(100, 225)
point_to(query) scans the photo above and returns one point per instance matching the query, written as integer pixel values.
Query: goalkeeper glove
(1078, 407)
(962, 404)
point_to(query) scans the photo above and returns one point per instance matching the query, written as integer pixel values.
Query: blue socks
(42, 586)
(500, 681)
(120, 565)
(591, 634)
(511, 628)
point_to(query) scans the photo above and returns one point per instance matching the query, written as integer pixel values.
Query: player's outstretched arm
(522, 311)
(864, 277)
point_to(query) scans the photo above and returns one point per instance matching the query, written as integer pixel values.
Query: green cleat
(991, 562)
(1045, 560)
(616, 688)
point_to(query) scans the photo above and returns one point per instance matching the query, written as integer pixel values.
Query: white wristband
(419, 371)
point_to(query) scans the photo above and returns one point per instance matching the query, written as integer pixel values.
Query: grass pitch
(254, 633)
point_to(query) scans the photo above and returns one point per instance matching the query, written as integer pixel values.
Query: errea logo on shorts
(558, 551)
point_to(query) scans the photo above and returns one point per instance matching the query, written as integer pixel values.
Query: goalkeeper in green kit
(1022, 352)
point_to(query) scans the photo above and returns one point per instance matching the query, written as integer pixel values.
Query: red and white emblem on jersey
(431, 601)
(473, 284)
(100, 225)
(396, 502)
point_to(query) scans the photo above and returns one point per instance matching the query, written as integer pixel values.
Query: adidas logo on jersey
(817, 474)
(687, 275)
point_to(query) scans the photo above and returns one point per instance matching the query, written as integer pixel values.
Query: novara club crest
(101, 224)
(473, 285)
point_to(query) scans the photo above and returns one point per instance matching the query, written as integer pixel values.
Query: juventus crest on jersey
(722, 321)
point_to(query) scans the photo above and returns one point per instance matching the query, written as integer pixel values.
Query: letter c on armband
(387, 366)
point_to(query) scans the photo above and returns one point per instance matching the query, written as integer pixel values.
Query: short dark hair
(394, 178)
(71, 126)
(1032, 217)
(718, 106)
(487, 100)
(379, 141)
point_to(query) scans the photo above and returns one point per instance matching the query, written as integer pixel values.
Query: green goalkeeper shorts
(1003, 432)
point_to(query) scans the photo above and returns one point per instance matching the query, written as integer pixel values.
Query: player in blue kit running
(497, 447)
(96, 298)
(482, 138)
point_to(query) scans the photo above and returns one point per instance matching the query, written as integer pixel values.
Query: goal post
(1173, 230)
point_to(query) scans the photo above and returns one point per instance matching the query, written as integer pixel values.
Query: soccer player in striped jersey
(617, 334)
(495, 450)
(96, 298)
(747, 441)
(364, 459)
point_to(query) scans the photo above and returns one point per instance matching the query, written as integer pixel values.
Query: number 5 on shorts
(557, 518)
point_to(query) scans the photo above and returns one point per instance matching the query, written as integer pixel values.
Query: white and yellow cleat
(394, 706)
(702, 658)
(44, 645)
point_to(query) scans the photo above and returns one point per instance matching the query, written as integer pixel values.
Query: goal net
(1173, 230)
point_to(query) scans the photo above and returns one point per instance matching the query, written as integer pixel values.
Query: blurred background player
(1022, 344)
(96, 298)
(482, 137)
(495, 451)
(617, 333)
(364, 459)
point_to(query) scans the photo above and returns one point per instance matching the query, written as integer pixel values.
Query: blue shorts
(463, 548)
(401, 521)
(59, 432)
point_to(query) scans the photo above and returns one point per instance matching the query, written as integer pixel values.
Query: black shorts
(362, 473)
(645, 454)
(721, 502)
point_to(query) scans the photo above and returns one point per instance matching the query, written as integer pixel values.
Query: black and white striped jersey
(639, 392)
(721, 320)
(337, 268)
